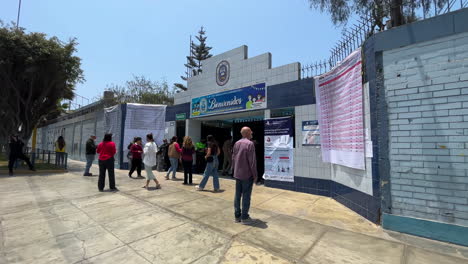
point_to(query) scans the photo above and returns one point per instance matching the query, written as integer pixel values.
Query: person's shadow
(257, 223)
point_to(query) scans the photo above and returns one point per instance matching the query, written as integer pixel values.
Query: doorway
(220, 131)
(180, 131)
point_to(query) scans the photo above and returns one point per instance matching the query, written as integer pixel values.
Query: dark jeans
(109, 166)
(187, 171)
(244, 191)
(13, 158)
(136, 164)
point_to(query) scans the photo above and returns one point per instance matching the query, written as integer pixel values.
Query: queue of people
(239, 161)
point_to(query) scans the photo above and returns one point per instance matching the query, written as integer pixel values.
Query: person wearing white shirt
(150, 160)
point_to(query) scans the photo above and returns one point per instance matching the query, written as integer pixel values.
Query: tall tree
(398, 11)
(198, 53)
(144, 91)
(36, 73)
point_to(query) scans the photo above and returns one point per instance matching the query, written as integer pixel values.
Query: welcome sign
(243, 99)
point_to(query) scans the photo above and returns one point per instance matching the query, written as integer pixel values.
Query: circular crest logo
(222, 73)
(203, 105)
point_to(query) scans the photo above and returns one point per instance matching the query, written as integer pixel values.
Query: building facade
(286, 94)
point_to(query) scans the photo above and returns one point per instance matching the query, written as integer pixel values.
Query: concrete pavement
(62, 218)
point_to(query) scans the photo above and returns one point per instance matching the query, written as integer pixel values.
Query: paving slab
(224, 220)
(62, 218)
(329, 212)
(289, 206)
(39, 214)
(214, 256)
(152, 192)
(121, 255)
(199, 208)
(184, 244)
(32, 233)
(169, 199)
(430, 245)
(420, 256)
(68, 248)
(285, 235)
(112, 213)
(344, 247)
(142, 225)
(102, 201)
(240, 253)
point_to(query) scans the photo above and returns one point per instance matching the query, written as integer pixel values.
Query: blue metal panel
(172, 110)
(295, 93)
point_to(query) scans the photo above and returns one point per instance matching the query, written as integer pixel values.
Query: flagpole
(19, 11)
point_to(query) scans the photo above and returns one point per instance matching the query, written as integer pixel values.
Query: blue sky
(121, 38)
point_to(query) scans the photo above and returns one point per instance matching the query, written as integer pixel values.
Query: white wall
(243, 72)
(308, 159)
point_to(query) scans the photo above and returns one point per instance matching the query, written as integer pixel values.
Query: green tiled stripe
(434, 230)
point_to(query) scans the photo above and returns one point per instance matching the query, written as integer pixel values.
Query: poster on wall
(279, 150)
(279, 165)
(142, 119)
(310, 133)
(339, 97)
(243, 99)
(279, 133)
(113, 124)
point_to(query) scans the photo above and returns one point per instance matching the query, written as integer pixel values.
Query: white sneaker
(198, 188)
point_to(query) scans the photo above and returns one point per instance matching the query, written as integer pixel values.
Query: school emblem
(222, 73)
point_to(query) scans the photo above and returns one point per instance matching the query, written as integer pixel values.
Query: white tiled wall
(308, 159)
(243, 72)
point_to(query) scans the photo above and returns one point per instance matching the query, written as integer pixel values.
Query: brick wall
(426, 86)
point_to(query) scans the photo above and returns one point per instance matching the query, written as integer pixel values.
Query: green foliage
(36, 72)
(144, 91)
(398, 11)
(198, 53)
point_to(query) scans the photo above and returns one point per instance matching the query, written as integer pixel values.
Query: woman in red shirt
(136, 151)
(106, 150)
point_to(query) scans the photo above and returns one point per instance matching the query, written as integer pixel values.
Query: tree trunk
(396, 13)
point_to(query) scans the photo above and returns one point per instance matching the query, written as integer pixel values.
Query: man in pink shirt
(244, 163)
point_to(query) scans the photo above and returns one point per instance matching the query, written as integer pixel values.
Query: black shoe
(32, 169)
(130, 176)
(10, 173)
(114, 190)
(101, 190)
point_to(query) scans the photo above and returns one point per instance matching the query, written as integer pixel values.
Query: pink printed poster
(340, 110)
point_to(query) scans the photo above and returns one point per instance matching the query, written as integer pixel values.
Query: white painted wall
(244, 72)
(308, 159)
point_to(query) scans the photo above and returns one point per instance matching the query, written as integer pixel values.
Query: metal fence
(355, 35)
(51, 158)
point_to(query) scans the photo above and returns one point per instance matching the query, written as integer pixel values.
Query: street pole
(19, 11)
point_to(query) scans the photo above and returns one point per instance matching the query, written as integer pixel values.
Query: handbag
(210, 159)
